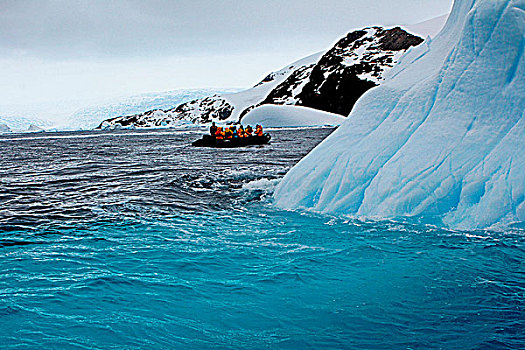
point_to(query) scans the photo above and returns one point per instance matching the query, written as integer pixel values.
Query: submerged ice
(443, 137)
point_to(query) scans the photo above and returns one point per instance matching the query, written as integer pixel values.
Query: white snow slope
(249, 97)
(427, 28)
(277, 116)
(442, 138)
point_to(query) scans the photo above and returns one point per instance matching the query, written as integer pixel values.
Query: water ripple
(131, 240)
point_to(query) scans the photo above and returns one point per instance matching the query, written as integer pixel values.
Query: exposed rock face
(197, 111)
(354, 65)
(143, 120)
(332, 82)
(337, 93)
(205, 110)
(286, 92)
(397, 39)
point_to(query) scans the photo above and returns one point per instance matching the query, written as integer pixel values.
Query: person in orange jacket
(258, 130)
(228, 133)
(219, 134)
(240, 132)
(248, 131)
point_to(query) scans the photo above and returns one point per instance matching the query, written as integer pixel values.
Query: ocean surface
(136, 240)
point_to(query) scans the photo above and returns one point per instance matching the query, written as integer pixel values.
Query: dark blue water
(133, 240)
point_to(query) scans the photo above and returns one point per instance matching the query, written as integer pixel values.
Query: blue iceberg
(443, 137)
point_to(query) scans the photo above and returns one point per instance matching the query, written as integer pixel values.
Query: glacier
(221, 107)
(13, 122)
(91, 116)
(442, 139)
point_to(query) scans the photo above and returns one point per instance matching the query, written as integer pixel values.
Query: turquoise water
(135, 240)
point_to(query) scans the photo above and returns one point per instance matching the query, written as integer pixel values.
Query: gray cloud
(62, 29)
(71, 50)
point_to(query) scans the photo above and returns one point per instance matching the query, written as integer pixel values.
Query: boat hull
(210, 141)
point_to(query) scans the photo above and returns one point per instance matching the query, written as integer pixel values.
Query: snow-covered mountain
(91, 116)
(219, 107)
(443, 138)
(355, 64)
(332, 82)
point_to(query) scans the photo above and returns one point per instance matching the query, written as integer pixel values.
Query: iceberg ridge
(442, 137)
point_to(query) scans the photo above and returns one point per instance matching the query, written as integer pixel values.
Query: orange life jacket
(219, 135)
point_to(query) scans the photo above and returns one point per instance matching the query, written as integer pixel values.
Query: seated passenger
(219, 134)
(258, 130)
(234, 131)
(228, 133)
(240, 132)
(248, 131)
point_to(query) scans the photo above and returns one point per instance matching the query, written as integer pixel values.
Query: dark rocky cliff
(355, 64)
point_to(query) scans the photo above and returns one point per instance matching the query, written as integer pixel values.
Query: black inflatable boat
(211, 141)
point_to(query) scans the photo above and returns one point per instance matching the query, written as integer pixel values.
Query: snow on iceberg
(274, 116)
(443, 137)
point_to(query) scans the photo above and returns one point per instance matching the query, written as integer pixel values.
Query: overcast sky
(54, 50)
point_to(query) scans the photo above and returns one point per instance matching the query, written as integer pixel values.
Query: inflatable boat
(211, 141)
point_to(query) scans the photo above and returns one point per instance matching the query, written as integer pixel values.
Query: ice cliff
(442, 138)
